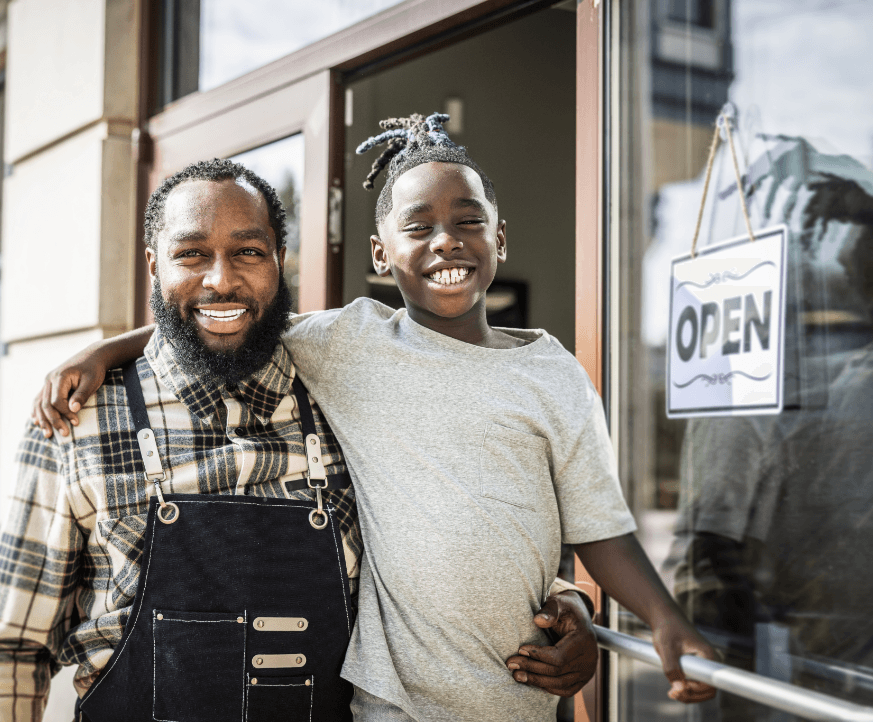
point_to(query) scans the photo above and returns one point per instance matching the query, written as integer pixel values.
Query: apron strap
(148, 448)
(311, 442)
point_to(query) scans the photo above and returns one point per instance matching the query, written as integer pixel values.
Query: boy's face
(442, 240)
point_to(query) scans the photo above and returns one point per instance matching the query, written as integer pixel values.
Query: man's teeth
(448, 276)
(223, 316)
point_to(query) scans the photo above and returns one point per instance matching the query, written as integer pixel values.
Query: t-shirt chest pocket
(512, 466)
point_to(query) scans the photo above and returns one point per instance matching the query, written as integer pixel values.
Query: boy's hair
(414, 141)
(218, 169)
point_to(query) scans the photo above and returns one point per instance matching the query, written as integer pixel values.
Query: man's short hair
(411, 142)
(218, 169)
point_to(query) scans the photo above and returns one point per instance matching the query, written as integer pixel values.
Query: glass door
(759, 524)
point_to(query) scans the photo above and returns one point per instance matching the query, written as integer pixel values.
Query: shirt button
(240, 431)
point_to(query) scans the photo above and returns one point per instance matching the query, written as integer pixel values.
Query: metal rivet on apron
(315, 459)
(260, 622)
(258, 660)
(255, 681)
(160, 616)
(145, 436)
(307, 683)
(300, 660)
(150, 453)
(240, 620)
(300, 624)
(312, 441)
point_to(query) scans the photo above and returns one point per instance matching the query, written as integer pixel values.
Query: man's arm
(70, 385)
(566, 666)
(39, 556)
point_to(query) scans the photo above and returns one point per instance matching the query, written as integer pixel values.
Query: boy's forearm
(125, 347)
(624, 572)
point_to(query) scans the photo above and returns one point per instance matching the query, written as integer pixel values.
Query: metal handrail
(763, 690)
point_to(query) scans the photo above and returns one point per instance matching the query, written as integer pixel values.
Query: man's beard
(224, 366)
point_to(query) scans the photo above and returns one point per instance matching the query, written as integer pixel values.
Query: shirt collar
(261, 392)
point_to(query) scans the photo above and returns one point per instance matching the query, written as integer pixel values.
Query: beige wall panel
(22, 372)
(118, 234)
(51, 240)
(55, 75)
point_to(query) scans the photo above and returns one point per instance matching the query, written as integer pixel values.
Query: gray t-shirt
(471, 465)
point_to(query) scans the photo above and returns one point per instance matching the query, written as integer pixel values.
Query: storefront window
(209, 42)
(281, 165)
(759, 524)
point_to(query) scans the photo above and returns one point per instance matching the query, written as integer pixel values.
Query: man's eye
(250, 252)
(190, 253)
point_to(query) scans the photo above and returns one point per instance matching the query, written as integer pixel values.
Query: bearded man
(192, 544)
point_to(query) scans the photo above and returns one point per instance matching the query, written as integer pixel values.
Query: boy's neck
(470, 328)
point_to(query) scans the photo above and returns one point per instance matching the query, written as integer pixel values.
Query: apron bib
(242, 611)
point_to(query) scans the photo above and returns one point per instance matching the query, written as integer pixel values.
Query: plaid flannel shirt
(71, 547)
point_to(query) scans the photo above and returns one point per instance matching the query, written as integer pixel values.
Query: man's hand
(564, 668)
(54, 406)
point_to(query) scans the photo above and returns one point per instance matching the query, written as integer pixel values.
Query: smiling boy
(475, 452)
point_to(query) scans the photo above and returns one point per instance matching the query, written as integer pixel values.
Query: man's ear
(501, 241)
(152, 263)
(380, 256)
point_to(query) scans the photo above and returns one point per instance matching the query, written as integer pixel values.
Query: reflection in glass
(236, 37)
(759, 524)
(281, 165)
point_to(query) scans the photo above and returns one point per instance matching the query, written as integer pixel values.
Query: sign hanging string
(722, 120)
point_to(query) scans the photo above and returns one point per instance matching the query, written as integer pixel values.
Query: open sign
(727, 328)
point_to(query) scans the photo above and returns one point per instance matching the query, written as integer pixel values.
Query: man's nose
(445, 244)
(221, 276)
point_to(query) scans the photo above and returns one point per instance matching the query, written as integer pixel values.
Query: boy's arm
(82, 375)
(621, 567)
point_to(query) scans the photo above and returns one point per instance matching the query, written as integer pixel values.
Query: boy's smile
(442, 242)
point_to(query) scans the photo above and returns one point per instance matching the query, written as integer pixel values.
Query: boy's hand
(673, 639)
(53, 406)
(564, 668)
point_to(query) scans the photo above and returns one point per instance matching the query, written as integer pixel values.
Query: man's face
(217, 259)
(442, 240)
(218, 291)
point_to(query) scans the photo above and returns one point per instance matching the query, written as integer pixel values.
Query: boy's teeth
(449, 276)
(231, 315)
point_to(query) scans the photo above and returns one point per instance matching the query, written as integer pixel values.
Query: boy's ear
(380, 256)
(501, 241)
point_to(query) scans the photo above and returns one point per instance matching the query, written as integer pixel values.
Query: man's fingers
(565, 686)
(530, 665)
(547, 616)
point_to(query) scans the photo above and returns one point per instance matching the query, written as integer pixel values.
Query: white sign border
(760, 410)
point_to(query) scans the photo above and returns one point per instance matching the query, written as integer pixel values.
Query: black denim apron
(242, 610)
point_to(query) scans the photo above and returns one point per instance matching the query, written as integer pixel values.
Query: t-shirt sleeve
(590, 500)
(309, 340)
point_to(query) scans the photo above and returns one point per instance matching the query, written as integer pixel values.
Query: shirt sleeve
(309, 341)
(590, 500)
(40, 559)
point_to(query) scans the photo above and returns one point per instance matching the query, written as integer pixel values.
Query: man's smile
(221, 318)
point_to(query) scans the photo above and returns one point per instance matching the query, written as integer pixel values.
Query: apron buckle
(319, 512)
(164, 505)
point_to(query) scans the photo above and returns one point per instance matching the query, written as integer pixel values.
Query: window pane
(758, 524)
(237, 37)
(281, 165)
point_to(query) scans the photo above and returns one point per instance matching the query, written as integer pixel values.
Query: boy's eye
(417, 227)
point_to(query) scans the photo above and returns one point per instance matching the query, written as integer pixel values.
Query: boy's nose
(445, 243)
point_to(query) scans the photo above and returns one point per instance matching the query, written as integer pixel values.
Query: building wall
(68, 217)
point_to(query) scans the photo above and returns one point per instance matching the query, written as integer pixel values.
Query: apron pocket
(279, 698)
(199, 666)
